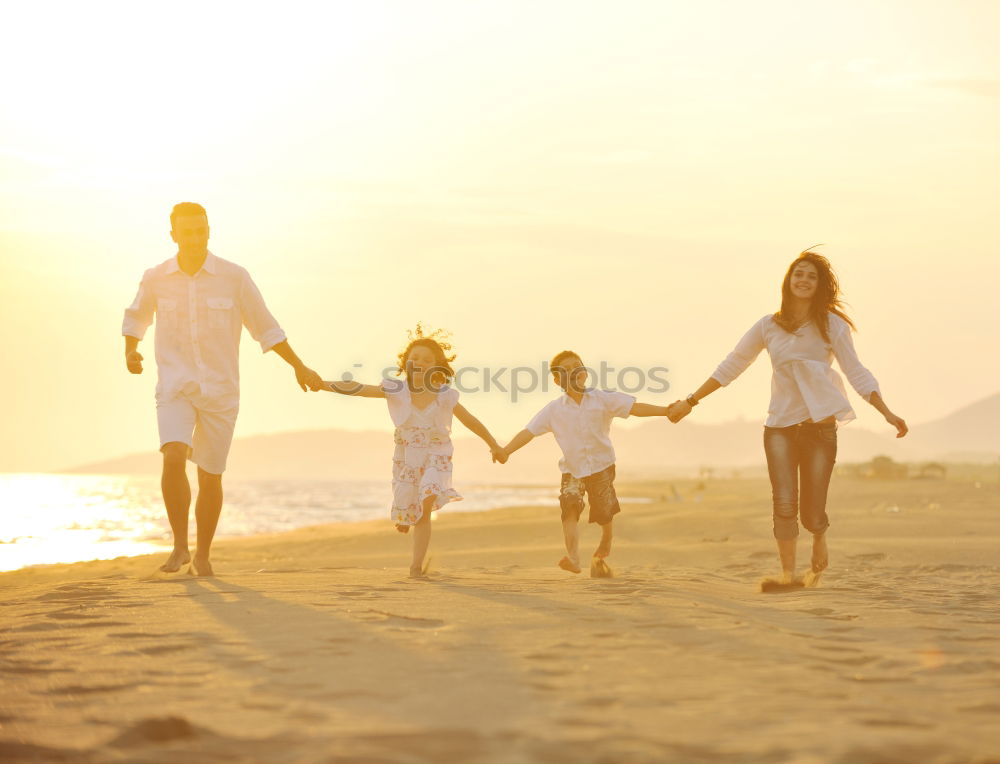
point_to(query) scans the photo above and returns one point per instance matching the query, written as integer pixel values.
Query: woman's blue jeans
(800, 462)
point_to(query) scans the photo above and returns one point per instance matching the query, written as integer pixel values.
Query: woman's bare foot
(201, 568)
(820, 555)
(600, 569)
(567, 564)
(177, 559)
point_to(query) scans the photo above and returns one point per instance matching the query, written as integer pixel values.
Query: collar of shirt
(209, 264)
(567, 399)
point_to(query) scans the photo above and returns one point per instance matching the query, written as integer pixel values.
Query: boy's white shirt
(583, 430)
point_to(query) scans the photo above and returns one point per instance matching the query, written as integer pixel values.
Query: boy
(581, 423)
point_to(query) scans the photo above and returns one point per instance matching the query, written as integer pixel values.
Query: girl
(421, 407)
(807, 401)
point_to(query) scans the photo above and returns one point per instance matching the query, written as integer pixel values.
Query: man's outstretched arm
(306, 377)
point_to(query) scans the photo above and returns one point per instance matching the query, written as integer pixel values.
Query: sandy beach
(315, 646)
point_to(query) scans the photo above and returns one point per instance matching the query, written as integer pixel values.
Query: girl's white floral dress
(421, 464)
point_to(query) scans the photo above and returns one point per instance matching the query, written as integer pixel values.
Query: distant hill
(970, 434)
(654, 447)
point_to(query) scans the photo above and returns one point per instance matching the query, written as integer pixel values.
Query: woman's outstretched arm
(875, 399)
(680, 409)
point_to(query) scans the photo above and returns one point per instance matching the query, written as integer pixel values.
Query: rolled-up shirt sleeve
(256, 317)
(744, 354)
(862, 380)
(541, 423)
(139, 315)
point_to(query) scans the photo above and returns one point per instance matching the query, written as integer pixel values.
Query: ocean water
(48, 518)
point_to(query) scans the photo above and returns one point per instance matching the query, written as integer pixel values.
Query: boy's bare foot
(600, 569)
(403, 528)
(177, 559)
(567, 564)
(201, 568)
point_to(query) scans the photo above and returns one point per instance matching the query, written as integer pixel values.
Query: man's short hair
(185, 209)
(561, 356)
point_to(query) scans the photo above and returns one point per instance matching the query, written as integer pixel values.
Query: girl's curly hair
(437, 342)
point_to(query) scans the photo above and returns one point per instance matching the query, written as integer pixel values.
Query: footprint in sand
(90, 689)
(867, 557)
(902, 723)
(404, 621)
(29, 667)
(859, 660)
(600, 702)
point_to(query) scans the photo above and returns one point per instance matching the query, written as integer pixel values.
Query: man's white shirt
(198, 323)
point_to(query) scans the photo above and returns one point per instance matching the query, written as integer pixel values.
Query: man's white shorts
(204, 424)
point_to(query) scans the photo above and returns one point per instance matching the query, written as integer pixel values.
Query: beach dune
(315, 646)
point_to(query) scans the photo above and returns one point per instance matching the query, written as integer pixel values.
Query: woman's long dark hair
(825, 301)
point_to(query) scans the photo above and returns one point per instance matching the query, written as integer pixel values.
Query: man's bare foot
(177, 559)
(603, 549)
(567, 564)
(403, 528)
(417, 572)
(599, 568)
(201, 568)
(820, 554)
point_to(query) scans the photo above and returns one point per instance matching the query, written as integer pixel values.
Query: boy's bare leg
(177, 499)
(206, 512)
(571, 535)
(786, 552)
(421, 539)
(604, 548)
(598, 567)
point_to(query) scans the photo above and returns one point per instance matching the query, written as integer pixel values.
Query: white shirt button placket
(195, 330)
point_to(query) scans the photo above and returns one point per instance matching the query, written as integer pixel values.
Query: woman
(808, 401)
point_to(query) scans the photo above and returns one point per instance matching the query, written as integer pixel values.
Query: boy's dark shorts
(600, 490)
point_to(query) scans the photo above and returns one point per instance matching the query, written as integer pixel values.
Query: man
(201, 302)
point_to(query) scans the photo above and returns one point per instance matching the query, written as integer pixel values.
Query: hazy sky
(626, 179)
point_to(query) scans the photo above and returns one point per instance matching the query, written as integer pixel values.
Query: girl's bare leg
(421, 538)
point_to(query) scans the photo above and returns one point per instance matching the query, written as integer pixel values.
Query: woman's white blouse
(803, 384)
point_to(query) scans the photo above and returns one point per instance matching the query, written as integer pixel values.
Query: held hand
(677, 410)
(898, 423)
(133, 362)
(499, 455)
(309, 379)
